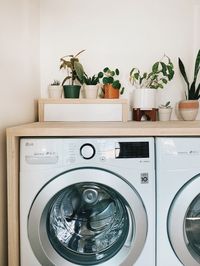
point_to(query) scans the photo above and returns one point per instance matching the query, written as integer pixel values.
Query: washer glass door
(184, 223)
(87, 216)
(87, 223)
(192, 228)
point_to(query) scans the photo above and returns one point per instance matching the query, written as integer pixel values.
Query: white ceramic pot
(188, 109)
(144, 98)
(164, 114)
(55, 91)
(91, 91)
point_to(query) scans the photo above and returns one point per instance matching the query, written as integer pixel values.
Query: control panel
(69, 151)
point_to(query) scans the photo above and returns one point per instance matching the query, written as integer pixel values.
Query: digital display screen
(132, 150)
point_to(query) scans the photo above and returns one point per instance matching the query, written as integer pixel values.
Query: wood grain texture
(13, 200)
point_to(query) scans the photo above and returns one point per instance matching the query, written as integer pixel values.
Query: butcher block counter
(70, 129)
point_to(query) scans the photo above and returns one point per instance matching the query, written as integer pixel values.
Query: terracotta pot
(188, 109)
(110, 92)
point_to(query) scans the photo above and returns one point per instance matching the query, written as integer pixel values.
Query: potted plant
(91, 85)
(164, 111)
(55, 89)
(146, 84)
(111, 85)
(75, 73)
(189, 108)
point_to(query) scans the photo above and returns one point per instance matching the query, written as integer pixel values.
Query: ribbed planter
(164, 114)
(91, 91)
(55, 91)
(71, 91)
(188, 109)
(110, 92)
(144, 98)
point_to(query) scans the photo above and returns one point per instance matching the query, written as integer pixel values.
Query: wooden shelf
(60, 110)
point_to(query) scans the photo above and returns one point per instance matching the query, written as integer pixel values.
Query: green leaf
(164, 81)
(155, 67)
(182, 70)
(100, 75)
(171, 72)
(197, 66)
(105, 80)
(122, 90)
(108, 80)
(79, 71)
(116, 84)
(144, 75)
(191, 94)
(164, 68)
(117, 71)
(105, 69)
(136, 76)
(197, 92)
(112, 73)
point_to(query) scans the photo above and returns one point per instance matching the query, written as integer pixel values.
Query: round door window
(76, 219)
(87, 223)
(184, 223)
(192, 228)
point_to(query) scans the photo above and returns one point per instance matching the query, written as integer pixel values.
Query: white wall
(119, 34)
(19, 76)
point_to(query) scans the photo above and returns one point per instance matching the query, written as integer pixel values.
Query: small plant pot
(91, 91)
(55, 91)
(144, 98)
(164, 114)
(71, 91)
(188, 109)
(110, 92)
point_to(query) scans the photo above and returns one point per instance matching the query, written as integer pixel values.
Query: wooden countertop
(132, 128)
(45, 129)
(171, 128)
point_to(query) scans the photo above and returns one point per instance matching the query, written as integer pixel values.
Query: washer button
(87, 151)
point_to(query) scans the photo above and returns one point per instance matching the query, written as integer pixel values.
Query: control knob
(87, 151)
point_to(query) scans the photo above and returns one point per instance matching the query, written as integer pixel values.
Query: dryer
(178, 201)
(87, 201)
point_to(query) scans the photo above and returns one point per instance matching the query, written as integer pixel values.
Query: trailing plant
(167, 105)
(110, 77)
(55, 83)
(94, 80)
(161, 73)
(74, 67)
(193, 90)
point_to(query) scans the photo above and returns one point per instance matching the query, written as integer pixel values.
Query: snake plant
(193, 89)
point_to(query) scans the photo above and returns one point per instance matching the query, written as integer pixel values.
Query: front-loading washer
(87, 201)
(178, 201)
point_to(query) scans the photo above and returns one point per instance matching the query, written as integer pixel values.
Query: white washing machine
(87, 201)
(178, 201)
